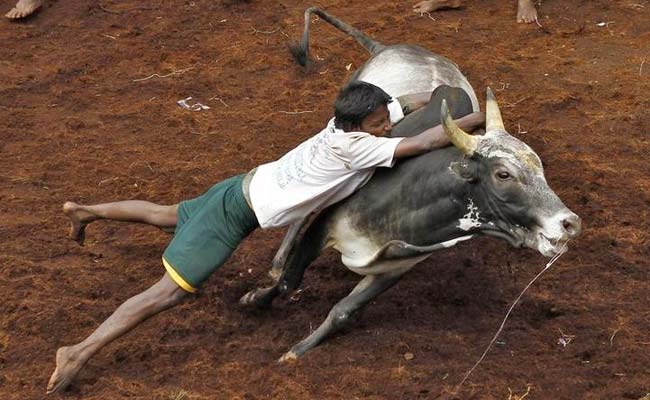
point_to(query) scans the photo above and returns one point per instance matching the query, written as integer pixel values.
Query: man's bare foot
(24, 8)
(79, 218)
(433, 5)
(67, 367)
(526, 11)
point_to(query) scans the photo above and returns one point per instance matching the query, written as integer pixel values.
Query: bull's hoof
(248, 299)
(288, 357)
(275, 273)
(254, 299)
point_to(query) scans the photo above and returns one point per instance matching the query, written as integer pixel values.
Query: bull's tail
(300, 50)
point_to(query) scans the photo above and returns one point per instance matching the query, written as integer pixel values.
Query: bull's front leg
(290, 239)
(367, 289)
(299, 255)
(289, 279)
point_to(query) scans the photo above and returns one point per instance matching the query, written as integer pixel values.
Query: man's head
(362, 106)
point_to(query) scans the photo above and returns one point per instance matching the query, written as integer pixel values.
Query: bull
(490, 185)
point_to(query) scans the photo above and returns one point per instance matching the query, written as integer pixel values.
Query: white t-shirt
(324, 169)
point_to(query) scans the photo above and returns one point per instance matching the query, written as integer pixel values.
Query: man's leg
(526, 11)
(24, 8)
(161, 216)
(433, 5)
(69, 360)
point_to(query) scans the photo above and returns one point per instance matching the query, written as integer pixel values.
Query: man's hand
(472, 122)
(434, 138)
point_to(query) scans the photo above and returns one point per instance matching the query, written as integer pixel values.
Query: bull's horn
(466, 143)
(493, 119)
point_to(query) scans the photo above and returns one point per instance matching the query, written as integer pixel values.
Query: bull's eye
(503, 175)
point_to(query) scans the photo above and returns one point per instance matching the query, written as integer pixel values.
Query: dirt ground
(88, 112)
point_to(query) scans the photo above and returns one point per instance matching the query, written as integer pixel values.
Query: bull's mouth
(518, 236)
(549, 247)
(515, 236)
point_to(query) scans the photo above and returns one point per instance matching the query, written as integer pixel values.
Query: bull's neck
(430, 203)
(445, 211)
(454, 208)
(420, 201)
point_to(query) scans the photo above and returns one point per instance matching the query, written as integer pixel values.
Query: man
(526, 11)
(319, 172)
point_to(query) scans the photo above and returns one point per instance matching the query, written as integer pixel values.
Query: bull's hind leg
(370, 287)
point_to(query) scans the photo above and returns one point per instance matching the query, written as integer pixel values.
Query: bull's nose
(572, 225)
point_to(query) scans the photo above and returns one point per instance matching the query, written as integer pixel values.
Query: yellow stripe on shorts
(177, 278)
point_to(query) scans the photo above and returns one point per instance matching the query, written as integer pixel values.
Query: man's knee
(165, 216)
(176, 295)
(167, 292)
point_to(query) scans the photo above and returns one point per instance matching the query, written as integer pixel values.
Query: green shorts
(209, 228)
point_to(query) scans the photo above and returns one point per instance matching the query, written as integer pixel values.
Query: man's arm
(434, 138)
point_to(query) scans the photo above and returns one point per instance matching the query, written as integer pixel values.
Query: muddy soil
(88, 112)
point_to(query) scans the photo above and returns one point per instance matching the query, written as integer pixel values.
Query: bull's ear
(465, 170)
(464, 142)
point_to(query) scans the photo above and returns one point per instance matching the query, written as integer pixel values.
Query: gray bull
(482, 185)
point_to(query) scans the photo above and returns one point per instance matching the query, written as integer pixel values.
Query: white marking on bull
(471, 219)
(351, 243)
(503, 154)
(454, 242)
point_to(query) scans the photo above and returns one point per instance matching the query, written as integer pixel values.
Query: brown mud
(79, 121)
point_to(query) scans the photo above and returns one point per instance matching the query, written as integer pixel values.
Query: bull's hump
(424, 70)
(388, 68)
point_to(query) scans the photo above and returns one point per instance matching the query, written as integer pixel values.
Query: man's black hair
(355, 102)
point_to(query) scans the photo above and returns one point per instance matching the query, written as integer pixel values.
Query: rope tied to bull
(496, 335)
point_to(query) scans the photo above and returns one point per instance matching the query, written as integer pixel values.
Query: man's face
(377, 123)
